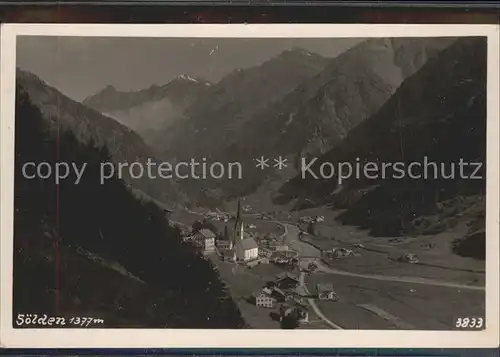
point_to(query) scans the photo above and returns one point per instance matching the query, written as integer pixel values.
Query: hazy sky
(80, 66)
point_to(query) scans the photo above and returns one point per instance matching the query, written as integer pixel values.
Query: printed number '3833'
(469, 322)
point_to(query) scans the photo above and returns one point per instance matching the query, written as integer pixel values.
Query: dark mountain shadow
(93, 249)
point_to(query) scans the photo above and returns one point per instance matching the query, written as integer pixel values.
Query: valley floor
(375, 290)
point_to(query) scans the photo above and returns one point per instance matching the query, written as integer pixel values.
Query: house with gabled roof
(205, 240)
(326, 292)
(287, 281)
(246, 249)
(295, 309)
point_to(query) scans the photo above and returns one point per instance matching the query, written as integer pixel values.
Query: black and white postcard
(249, 185)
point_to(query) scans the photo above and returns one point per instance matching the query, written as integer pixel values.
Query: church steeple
(238, 212)
(238, 225)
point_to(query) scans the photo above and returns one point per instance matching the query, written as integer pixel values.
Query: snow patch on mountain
(188, 78)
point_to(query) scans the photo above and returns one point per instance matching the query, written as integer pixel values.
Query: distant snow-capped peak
(185, 77)
(299, 50)
(188, 78)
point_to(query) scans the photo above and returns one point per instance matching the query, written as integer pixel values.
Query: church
(244, 247)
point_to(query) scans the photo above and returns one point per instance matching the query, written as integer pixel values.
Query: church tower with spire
(244, 247)
(238, 227)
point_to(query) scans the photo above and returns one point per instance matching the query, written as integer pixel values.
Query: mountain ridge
(152, 110)
(90, 126)
(429, 115)
(227, 104)
(110, 99)
(310, 117)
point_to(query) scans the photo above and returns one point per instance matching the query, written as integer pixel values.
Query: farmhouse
(326, 292)
(287, 281)
(408, 258)
(302, 313)
(278, 294)
(342, 252)
(223, 244)
(296, 310)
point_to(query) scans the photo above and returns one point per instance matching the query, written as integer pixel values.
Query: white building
(246, 249)
(326, 292)
(265, 300)
(205, 240)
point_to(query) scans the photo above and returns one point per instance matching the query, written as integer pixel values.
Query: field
(264, 227)
(378, 255)
(183, 218)
(369, 304)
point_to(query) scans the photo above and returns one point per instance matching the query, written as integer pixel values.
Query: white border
(142, 338)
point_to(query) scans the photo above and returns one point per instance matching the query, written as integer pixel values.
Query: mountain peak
(187, 78)
(109, 88)
(106, 92)
(299, 55)
(297, 51)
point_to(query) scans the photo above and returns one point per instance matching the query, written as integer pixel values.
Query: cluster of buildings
(241, 247)
(217, 216)
(237, 246)
(308, 219)
(337, 253)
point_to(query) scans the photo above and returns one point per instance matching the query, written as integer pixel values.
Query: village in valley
(240, 246)
(301, 270)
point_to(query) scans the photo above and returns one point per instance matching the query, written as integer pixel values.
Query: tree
(290, 321)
